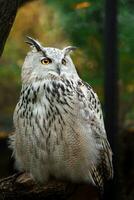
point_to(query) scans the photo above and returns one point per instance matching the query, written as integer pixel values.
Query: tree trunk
(8, 10)
(21, 186)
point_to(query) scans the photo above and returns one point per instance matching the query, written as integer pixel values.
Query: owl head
(41, 62)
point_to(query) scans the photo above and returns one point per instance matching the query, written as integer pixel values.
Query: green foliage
(126, 50)
(9, 88)
(83, 25)
(126, 55)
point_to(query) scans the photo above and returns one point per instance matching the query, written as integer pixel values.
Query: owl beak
(58, 70)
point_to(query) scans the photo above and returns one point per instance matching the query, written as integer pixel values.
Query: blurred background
(79, 23)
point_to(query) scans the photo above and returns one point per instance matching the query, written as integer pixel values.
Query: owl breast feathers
(59, 129)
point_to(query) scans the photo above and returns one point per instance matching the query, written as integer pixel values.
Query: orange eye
(46, 61)
(64, 62)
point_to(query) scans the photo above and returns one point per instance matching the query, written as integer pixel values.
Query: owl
(59, 128)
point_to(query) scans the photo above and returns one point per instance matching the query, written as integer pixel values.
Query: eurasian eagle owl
(59, 128)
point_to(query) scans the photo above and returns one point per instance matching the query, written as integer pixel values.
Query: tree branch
(8, 10)
(21, 186)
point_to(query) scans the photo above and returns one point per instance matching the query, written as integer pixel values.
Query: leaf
(82, 5)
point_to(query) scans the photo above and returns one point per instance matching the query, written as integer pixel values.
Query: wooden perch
(22, 187)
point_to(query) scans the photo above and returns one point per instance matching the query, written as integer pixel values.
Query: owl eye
(64, 62)
(46, 61)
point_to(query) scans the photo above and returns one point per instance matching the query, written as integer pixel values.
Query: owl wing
(103, 170)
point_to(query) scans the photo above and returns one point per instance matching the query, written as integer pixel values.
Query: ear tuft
(68, 50)
(34, 43)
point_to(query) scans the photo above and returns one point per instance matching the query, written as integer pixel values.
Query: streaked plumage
(59, 129)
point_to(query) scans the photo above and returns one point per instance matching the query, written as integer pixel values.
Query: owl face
(44, 61)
